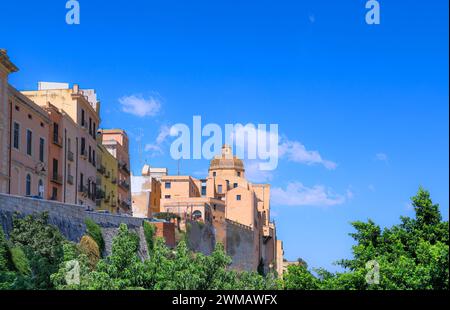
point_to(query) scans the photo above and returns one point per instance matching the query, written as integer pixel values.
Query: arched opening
(41, 188)
(28, 185)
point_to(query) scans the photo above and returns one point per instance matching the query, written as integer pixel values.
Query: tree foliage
(411, 255)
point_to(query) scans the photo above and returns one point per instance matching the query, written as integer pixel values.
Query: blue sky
(371, 99)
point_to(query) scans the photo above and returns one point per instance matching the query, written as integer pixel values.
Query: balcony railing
(113, 180)
(124, 167)
(124, 185)
(101, 169)
(83, 190)
(70, 179)
(124, 204)
(70, 155)
(83, 154)
(57, 140)
(100, 194)
(56, 178)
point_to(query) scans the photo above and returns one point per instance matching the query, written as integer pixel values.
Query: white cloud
(296, 152)
(139, 106)
(297, 194)
(381, 156)
(293, 151)
(254, 174)
(164, 132)
(157, 146)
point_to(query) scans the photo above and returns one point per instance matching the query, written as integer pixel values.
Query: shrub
(4, 252)
(94, 230)
(20, 261)
(149, 233)
(89, 247)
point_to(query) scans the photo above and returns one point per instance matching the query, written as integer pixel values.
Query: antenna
(139, 143)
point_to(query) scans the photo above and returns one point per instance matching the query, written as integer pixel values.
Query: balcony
(100, 194)
(70, 179)
(123, 204)
(83, 190)
(114, 180)
(70, 156)
(57, 140)
(107, 199)
(124, 185)
(124, 167)
(56, 178)
(83, 154)
(85, 125)
(101, 169)
(107, 175)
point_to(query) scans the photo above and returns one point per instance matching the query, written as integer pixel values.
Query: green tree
(42, 244)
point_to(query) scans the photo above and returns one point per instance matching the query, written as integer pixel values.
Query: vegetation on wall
(411, 255)
(94, 230)
(149, 233)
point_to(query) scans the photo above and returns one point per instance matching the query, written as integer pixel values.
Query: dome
(226, 161)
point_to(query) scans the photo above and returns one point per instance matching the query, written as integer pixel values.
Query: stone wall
(201, 237)
(70, 219)
(242, 246)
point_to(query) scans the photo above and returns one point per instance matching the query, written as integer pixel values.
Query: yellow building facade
(107, 179)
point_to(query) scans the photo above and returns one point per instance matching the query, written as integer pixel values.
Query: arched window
(41, 188)
(197, 215)
(28, 185)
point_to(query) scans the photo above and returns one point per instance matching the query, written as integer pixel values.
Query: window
(238, 197)
(239, 174)
(16, 138)
(228, 183)
(235, 185)
(29, 142)
(83, 146)
(28, 185)
(82, 117)
(93, 158)
(55, 169)
(94, 130)
(54, 193)
(219, 189)
(41, 189)
(41, 149)
(214, 174)
(90, 156)
(90, 126)
(168, 185)
(167, 197)
(204, 190)
(56, 133)
(81, 182)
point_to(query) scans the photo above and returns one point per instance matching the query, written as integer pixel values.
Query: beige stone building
(146, 191)
(77, 133)
(232, 204)
(29, 146)
(6, 68)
